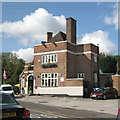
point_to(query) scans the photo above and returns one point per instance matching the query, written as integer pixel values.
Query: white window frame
(81, 75)
(22, 83)
(49, 77)
(95, 78)
(53, 58)
(95, 58)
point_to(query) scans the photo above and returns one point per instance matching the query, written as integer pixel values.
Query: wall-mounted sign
(61, 79)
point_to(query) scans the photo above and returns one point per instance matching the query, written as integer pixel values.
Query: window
(49, 79)
(80, 75)
(30, 68)
(95, 78)
(95, 58)
(49, 58)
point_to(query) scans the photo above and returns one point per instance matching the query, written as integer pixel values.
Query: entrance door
(30, 83)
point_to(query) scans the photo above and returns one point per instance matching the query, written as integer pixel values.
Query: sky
(25, 24)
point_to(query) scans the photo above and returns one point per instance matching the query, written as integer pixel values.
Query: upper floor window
(80, 75)
(95, 58)
(30, 68)
(49, 58)
(95, 78)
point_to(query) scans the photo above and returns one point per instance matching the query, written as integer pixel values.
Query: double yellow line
(60, 116)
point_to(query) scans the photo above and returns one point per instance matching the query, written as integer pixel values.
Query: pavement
(103, 106)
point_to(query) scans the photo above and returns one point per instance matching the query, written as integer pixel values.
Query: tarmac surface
(104, 106)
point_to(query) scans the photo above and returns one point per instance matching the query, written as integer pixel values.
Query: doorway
(30, 83)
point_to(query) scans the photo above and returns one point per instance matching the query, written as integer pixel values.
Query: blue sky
(96, 24)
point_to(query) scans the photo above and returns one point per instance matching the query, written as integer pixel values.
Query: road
(38, 110)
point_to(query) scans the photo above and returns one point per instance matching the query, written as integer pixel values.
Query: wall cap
(116, 75)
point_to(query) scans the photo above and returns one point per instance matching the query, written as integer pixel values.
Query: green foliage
(30, 88)
(108, 64)
(29, 65)
(13, 67)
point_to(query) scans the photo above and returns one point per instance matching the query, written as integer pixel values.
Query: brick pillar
(116, 82)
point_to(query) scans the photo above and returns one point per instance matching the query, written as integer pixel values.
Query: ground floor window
(49, 79)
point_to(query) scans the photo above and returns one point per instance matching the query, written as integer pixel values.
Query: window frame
(95, 58)
(80, 74)
(95, 78)
(52, 58)
(50, 79)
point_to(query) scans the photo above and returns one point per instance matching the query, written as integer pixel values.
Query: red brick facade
(116, 82)
(72, 62)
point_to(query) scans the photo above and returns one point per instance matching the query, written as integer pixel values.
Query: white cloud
(113, 19)
(99, 37)
(33, 27)
(26, 54)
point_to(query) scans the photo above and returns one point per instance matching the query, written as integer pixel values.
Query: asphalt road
(38, 110)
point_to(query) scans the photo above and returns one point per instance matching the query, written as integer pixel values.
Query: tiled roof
(60, 36)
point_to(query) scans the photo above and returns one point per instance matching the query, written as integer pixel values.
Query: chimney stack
(49, 36)
(71, 30)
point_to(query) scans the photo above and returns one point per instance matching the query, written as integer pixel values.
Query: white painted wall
(25, 88)
(71, 91)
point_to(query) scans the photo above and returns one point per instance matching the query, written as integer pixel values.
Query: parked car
(16, 90)
(118, 115)
(11, 108)
(6, 88)
(104, 93)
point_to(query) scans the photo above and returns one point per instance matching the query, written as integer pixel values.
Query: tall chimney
(71, 30)
(49, 36)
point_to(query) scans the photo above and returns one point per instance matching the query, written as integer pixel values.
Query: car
(118, 114)
(11, 108)
(104, 93)
(16, 90)
(7, 88)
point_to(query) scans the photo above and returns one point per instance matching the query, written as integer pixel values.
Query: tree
(13, 67)
(108, 64)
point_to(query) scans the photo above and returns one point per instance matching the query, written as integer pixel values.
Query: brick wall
(69, 63)
(50, 47)
(74, 82)
(116, 82)
(105, 80)
(38, 69)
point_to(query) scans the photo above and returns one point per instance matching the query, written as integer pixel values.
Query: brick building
(63, 67)
(27, 75)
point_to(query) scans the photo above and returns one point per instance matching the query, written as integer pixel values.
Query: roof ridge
(60, 36)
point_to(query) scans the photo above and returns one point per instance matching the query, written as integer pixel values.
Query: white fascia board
(25, 66)
(61, 51)
(51, 52)
(25, 71)
(51, 43)
(28, 66)
(30, 71)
